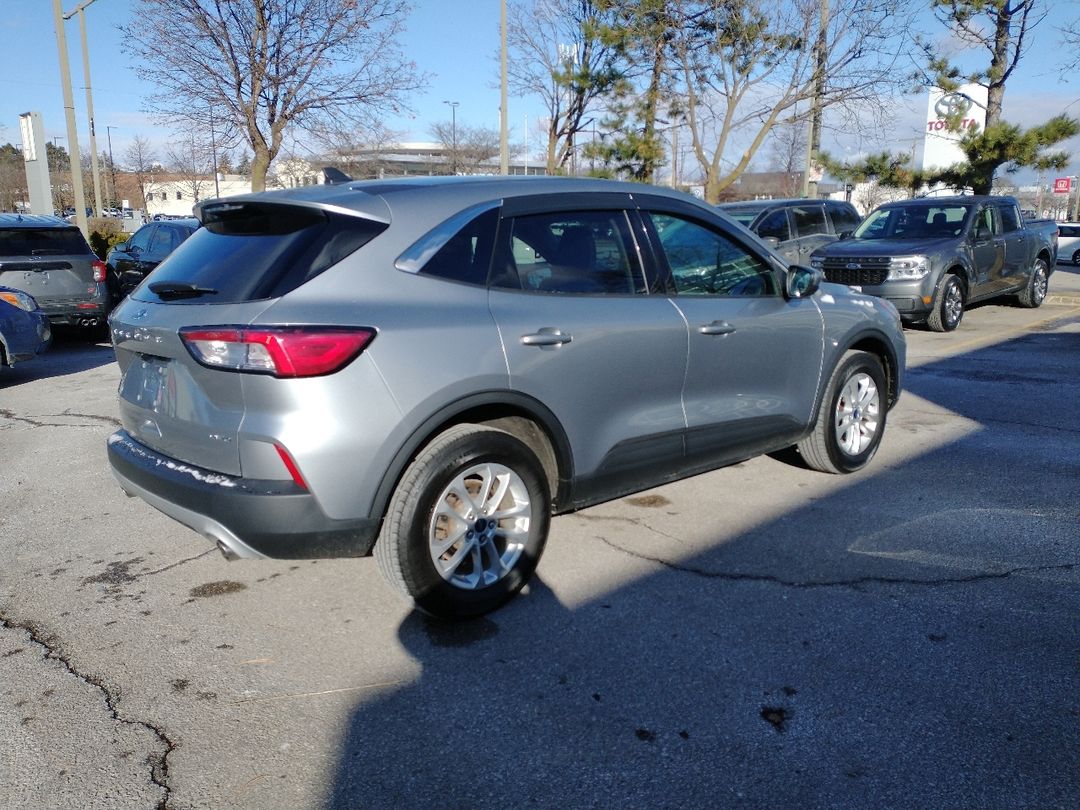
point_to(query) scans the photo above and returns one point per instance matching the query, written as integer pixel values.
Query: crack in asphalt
(14, 417)
(211, 550)
(159, 763)
(853, 583)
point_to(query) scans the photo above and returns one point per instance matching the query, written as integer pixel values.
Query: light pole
(112, 166)
(69, 109)
(453, 134)
(89, 103)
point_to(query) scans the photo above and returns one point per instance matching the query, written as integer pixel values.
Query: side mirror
(771, 241)
(844, 234)
(801, 281)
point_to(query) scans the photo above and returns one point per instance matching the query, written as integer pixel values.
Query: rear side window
(1010, 220)
(42, 242)
(466, 255)
(809, 220)
(254, 250)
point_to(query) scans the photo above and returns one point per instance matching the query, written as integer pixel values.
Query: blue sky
(454, 41)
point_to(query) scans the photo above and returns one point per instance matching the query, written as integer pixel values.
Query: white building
(177, 197)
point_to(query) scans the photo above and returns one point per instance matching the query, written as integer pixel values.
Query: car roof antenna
(333, 177)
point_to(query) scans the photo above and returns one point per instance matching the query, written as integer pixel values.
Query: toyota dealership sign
(941, 147)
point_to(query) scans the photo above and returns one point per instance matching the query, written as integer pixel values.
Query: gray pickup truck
(932, 257)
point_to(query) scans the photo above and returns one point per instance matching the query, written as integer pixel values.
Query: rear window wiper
(177, 289)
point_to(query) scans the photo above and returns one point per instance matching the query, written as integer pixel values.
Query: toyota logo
(953, 104)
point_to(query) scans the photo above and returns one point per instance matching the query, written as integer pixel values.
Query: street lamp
(453, 134)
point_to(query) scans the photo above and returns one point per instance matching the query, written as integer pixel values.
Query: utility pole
(813, 141)
(89, 104)
(213, 154)
(504, 128)
(112, 165)
(69, 109)
(453, 135)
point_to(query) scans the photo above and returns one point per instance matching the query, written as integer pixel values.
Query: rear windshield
(251, 251)
(42, 242)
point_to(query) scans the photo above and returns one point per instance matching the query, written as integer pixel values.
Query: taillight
(99, 269)
(283, 351)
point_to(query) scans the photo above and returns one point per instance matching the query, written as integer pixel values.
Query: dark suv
(49, 259)
(130, 261)
(430, 368)
(795, 228)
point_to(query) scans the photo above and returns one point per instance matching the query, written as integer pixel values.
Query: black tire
(948, 308)
(849, 446)
(1076, 257)
(411, 530)
(1034, 292)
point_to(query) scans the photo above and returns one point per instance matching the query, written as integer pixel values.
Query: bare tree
(357, 150)
(140, 159)
(746, 64)
(193, 164)
(788, 155)
(560, 57)
(468, 146)
(261, 68)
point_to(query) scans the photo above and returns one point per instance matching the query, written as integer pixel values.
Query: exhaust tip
(226, 552)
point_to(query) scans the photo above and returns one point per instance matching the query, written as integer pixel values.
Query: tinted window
(986, 222)
(466, 255)
(808, 220)
(844, 217)
(42, 242)
(249, 251)
(141, 240)
(775, 224)
(744, 216)
(1010, 220)
(706, 262)
(1065, 230)
(164, 242)
(577, 252)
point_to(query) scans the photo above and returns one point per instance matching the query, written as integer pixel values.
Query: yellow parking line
(1002, 337)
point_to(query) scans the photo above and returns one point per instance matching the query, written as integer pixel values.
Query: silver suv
(431, 368)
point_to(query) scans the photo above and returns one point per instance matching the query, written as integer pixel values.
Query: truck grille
(860, 271)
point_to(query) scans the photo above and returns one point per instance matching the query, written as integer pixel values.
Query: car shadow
(874, 646)
(72, 351)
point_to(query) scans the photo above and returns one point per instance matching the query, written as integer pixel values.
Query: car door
(127, 265)
(755, 357)
(775, 224)
(1018, 250)
(988, 252)
(810, 229)
(584, 337)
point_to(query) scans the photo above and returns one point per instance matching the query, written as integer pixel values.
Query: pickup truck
(932, 257)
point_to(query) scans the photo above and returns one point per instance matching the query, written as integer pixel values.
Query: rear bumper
(246, 518)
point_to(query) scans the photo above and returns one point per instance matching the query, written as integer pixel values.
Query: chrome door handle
(717, 328)
(546, 337)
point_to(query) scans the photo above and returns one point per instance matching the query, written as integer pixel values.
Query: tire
(1034, 293)
(442, 550)
(948, 308)
(1076, 257)
(851, 418)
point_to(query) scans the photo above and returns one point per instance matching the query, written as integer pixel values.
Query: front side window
(706, 262)
(775, 224)
(586, 252)
(809, 220)
(141, 240)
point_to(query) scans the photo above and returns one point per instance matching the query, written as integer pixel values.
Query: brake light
(283, 351)
(99, 269)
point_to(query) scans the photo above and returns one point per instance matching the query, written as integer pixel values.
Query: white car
(1069, 242)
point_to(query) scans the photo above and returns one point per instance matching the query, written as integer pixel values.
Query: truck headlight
(908, 268)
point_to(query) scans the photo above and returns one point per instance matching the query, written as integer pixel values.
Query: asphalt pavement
(760, 636)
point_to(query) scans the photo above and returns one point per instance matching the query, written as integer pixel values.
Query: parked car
(130, 261)
(24, 328)
(49, 259)
(933, 257)
(1069, 241)
(795, 228)
(432, 367)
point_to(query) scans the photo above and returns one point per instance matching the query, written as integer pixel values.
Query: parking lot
(760, 636)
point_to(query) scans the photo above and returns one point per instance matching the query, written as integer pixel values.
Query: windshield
(929, 221)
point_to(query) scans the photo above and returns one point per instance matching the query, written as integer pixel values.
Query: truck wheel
(467, 523)
(948, 307)
(1076, 257)
(1035, 292)
(851, 419)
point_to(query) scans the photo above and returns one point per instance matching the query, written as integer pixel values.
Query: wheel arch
(518, 414)
(876, 344)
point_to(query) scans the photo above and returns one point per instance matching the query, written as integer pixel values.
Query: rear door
(988, 250)
(1019, 247)
(754, 357)
(52, 264)
(584, 336)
